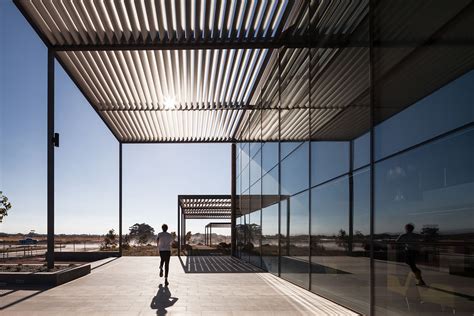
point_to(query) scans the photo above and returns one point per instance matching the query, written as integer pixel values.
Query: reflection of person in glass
(411, 251)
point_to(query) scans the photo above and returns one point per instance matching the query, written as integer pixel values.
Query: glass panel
(269, 156)
(331, 268)
(270, 238)
(255, 168)
(287, 148)
(424, 201)
(294, 263)
(446, 109)
(270, 183)
(295, 171)
(424, 232)
(245, 178)
(328, 160)
(245, 154)
(255, 234)
(255, 148)
(361, 154)
(255, 229)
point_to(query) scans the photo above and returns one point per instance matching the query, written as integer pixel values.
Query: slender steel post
(120, 201)
(179, 230)
(351, 197)
(233, 189)
(372, 155)
(50, 168)
(184, 229)
(210, 236)
(279, 163)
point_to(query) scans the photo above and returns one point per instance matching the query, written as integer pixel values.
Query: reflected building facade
(348, 145)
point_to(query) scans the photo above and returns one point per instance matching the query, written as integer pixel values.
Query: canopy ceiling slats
(230, 70)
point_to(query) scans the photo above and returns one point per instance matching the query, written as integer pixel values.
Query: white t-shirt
(164, 241)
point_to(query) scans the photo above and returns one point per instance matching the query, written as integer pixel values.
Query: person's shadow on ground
(162, 300)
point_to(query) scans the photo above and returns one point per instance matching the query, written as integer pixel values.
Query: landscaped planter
(43, 278)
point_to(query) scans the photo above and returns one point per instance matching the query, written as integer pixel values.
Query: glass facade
(381, 223)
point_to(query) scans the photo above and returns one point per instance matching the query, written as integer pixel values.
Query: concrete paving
(132, 286)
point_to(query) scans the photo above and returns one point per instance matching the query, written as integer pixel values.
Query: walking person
(164, 241)
(410, 240)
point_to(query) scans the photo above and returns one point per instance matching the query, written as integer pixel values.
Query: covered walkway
(131, 286)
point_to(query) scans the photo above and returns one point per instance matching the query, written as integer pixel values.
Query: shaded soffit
(211, 70)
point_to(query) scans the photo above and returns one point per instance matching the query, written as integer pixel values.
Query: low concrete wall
(84, 256)
(43, 278)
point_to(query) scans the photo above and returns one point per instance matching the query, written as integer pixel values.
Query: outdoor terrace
(131, 286)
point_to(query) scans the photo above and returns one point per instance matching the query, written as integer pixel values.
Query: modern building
(358, 115)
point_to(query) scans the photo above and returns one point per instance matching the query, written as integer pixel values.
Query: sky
(86, 164)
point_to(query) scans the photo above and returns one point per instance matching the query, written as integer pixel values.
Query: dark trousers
(165, 259)
(410, 259)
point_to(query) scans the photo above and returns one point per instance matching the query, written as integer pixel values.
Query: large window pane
(361, 151)
(270, 183)
(255, 168)
(269, 156)
(333, 272)
(294, 261)
(270, 238)
(287, 148)
(295, 171)
(448, 108)
(430, 188)
(328, 160)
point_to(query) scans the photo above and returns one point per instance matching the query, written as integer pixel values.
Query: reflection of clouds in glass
(396, 173)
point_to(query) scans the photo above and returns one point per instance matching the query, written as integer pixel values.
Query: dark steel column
(179, 230)
(184, 229)
(120, 199)
(233, 189)
(372, 156)
(210, 236)
(50, 168)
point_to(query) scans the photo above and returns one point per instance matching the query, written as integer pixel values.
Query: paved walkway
(131, 286)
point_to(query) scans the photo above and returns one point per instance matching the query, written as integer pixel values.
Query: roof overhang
(228, 70)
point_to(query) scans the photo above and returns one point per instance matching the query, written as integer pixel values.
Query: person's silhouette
(162, 300)
(410, 240)
(164, 241)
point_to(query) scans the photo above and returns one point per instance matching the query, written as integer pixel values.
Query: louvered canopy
(250, 70)
(205, 206)
(219, 225)
(219, 206)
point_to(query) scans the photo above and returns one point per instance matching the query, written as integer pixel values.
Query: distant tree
(110, 239)
(4, 206)
(126, 241)
(188, 237)
(142, 233)
(342, 239)
(173, 235)
(430, 232)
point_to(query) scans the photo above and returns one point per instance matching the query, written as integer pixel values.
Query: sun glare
(169, 103)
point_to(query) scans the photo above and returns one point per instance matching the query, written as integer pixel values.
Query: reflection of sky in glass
(442, 111)
(299, 214)
(431, 185)
(295, 171)
(270, 220)
(269, 156)
(270, 182)
(287, 148)
(328, 160)
(330, 208)
(361, 206)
